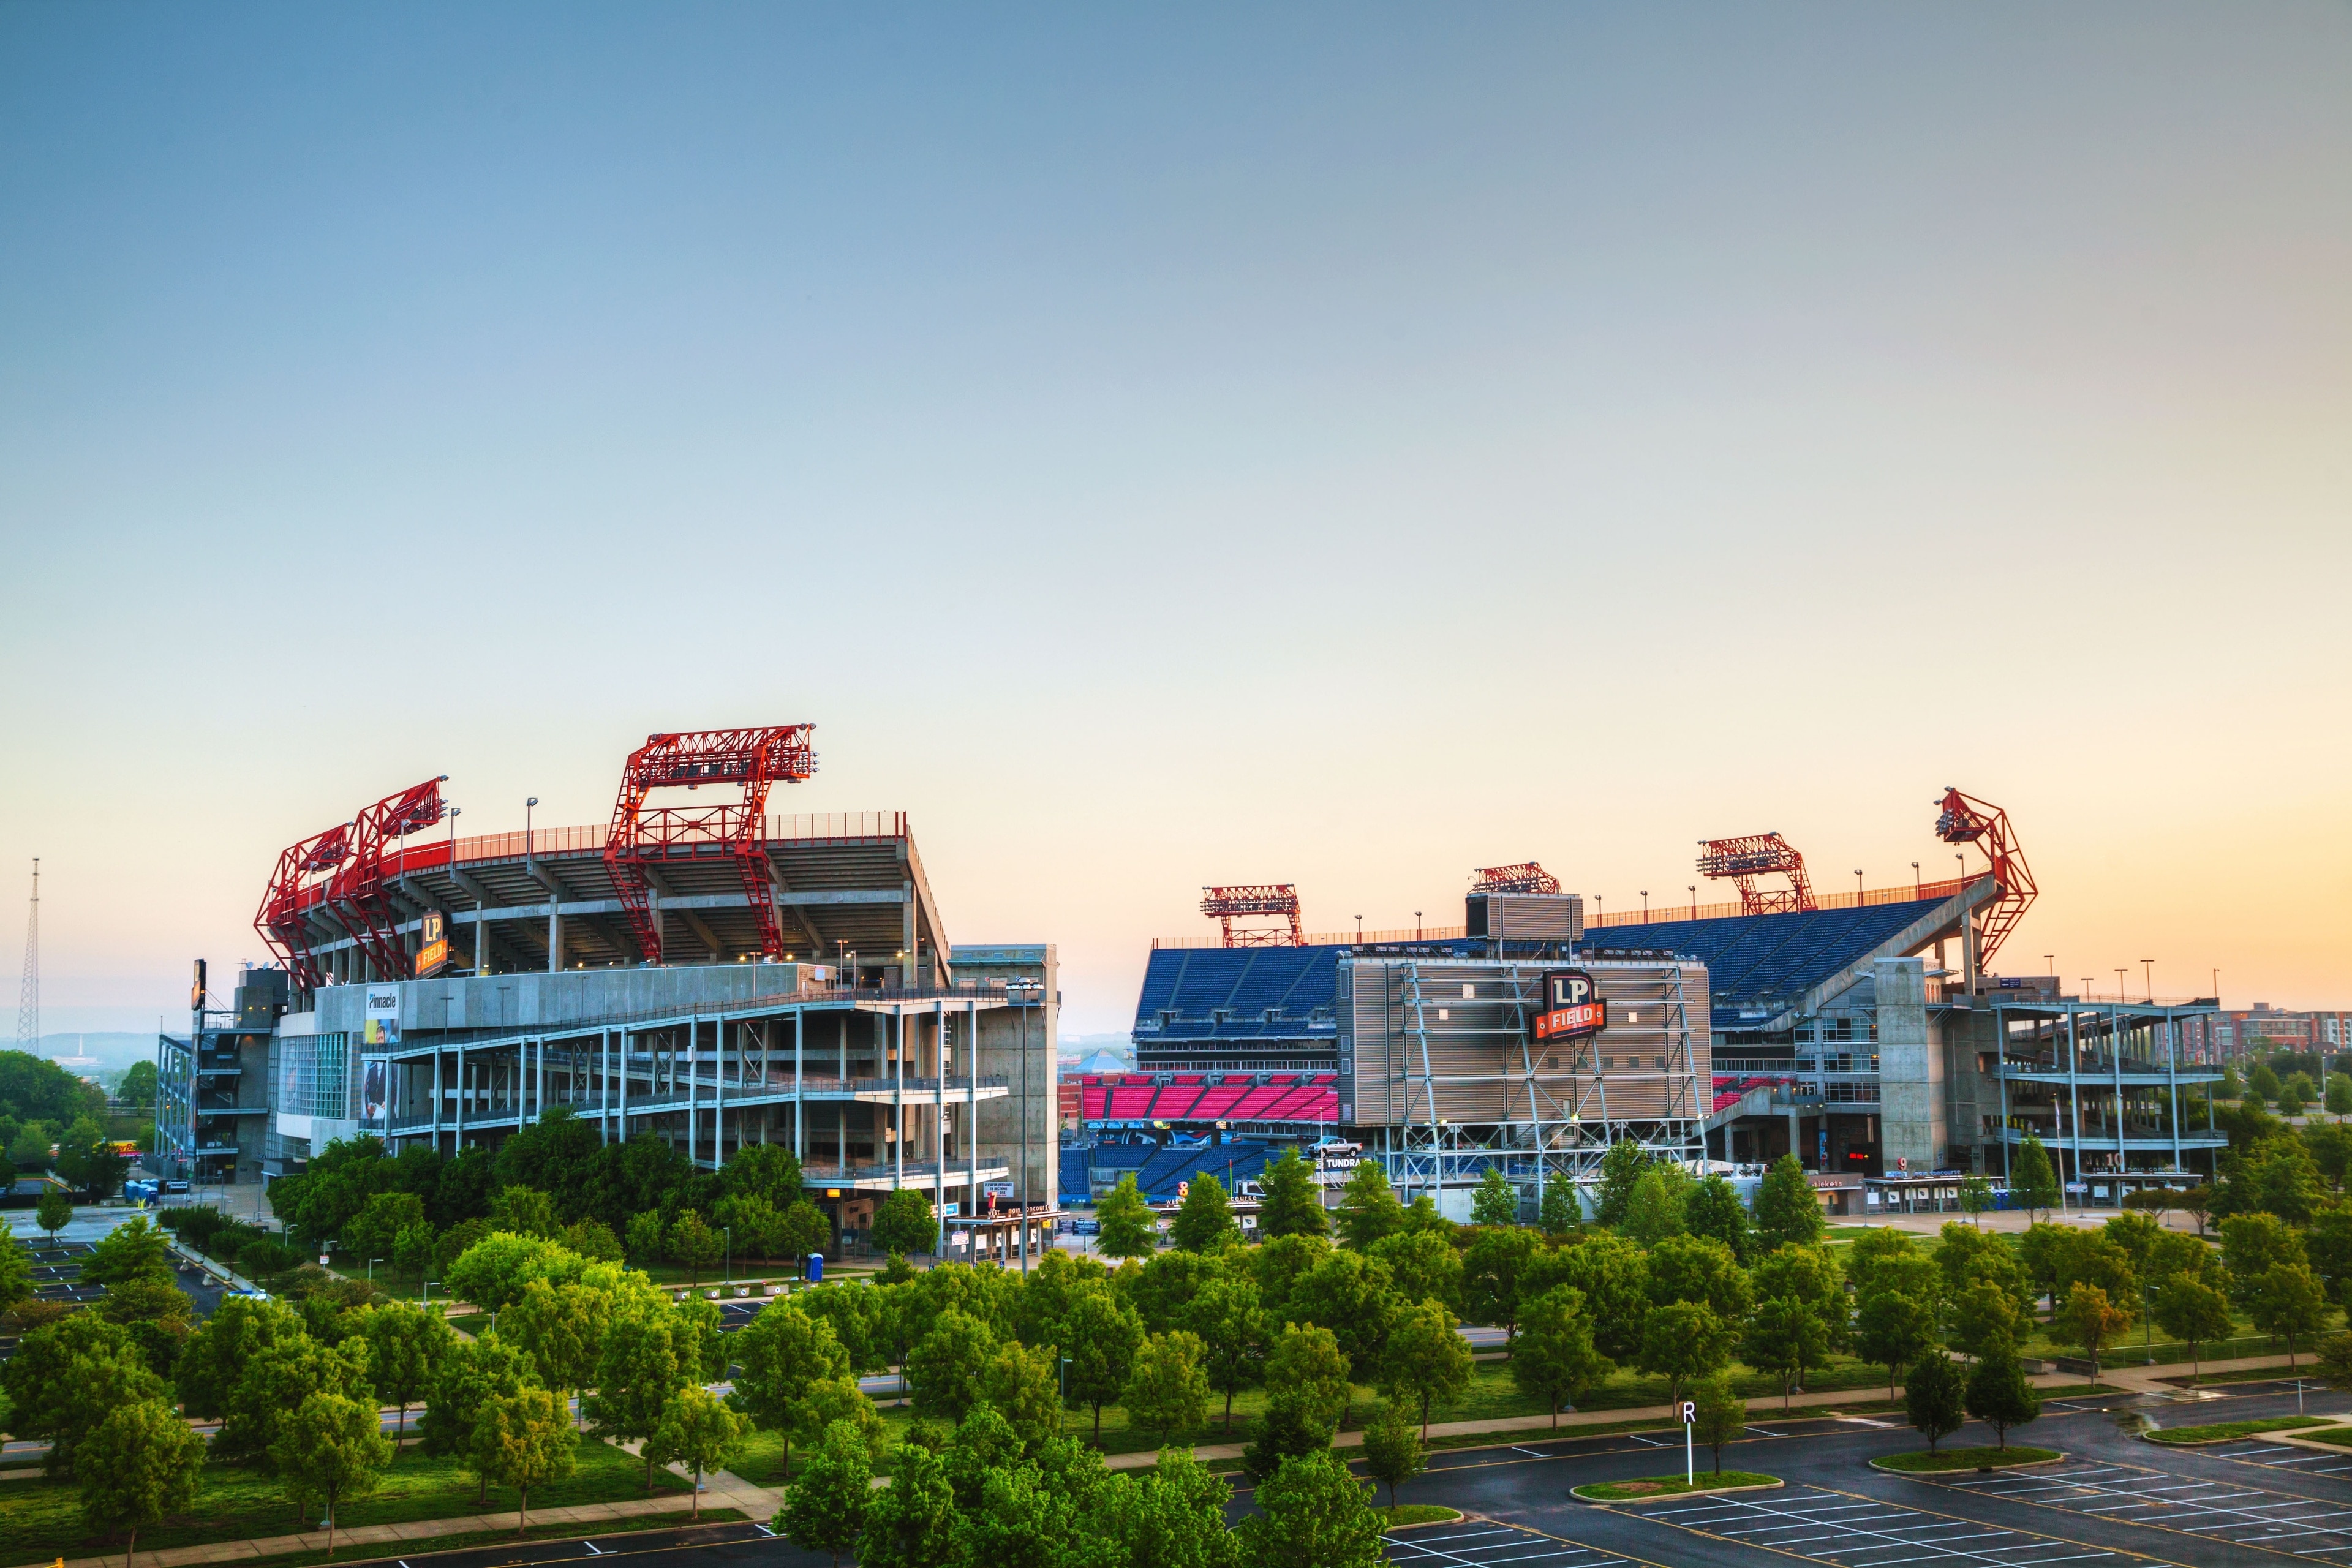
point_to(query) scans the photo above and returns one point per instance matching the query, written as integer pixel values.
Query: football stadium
(1867, 1033)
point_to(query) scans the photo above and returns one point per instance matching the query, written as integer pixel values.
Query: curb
(1460, 1516)
(1578, 1493)
(1885, 1469)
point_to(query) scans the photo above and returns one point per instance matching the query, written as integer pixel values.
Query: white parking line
(2245, 1515)
(1861, 1532)
(1495, 1545)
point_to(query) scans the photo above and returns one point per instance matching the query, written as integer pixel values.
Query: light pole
(1416, 925)
(2121, 970)
(2147, 968)
(1857, 886)
(1693, 893)
(1645, 906)
(1359, 930)
(525, 828)
(1918, 888)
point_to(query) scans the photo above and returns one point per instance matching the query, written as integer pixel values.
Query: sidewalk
(720, 1490)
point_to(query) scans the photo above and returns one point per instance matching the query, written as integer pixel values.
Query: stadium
(1866, 1032)
(710, 974)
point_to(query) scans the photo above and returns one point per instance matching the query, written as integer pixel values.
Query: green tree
(1428, 1360)
(1367, 1207)
(1167, 1392)
(904, 1223)
(328, 1450)
(525, 1440)
(805, 1229)
(2288, 1303)
(1806, 1273)
(693, 1244)
(699, 1432)
(590, 1238)
(648, 1355)
(1976, 1197)
(525, 1211)
(474, 1374)
(2339, 1096)
(1307, 1367)
(1620, 1168)
(131, 1250)
(1681, 1342)
(1495, 1202)
(2189, 1308)
(643, 1243)
(1292, 1204)
(1967, 1253)
(1873, 1254)
(779, 1354)
(2032, 1184)
(1785, 1336)
(1893, 1328)
(911, 1523)
(412, 1250)
(1999, 1395)
(1987, 1320)
(946, 1366)
(2292, 1097)
(1556, 1359)
(562, 1329)
(1024, 1386)
(2262, 1082)
(2088, 1319)
(1286, 1430)
(495, 1271)
(1425, 1265)
(238, 1329)
(1204, 1221)
(1128, 1228)
(1722, 1415)
(276, 1382)
(1935, 1398)
(1353, 1297)
(1311, 1511)
(1700, 1268)
(754, 1225)
(839, 1399)
(1494, 1271)
(374, 1231)
(1713, 1210)
(1787, 1212)
(2250, 1243)
(53, 1213)
(1103, 1335)
(405, 1347)
(66, 1376)
(1392, 1450)
(1560, 1211)
(1230, 1318)
(1655, 1211)
(1614, 1277)
(825, 1508)
(137, 1466)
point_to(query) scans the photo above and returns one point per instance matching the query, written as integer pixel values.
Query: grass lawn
(1967, 1458)
(42, 1520)
(1407, 1515)
(1670, 1486)
(2222, 1431)
(2340, 1436)
(474, 1539)
(2258, 1374)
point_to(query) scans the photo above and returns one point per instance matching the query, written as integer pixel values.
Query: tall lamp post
(525, 828)
(1693, 893)
(2147, 967)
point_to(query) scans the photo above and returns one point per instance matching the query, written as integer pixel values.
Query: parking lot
(2221, 1510)
(2281, 1456)
(1864, 1532)
(1482, 1544)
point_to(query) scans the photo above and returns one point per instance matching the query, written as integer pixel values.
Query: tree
(1425, 1265)
(2032, 1184)
(1556, 1359)
(911, 1523)
(1306, 1366)
(2262, 1082)
(1785, 1336)
(839, 1399)
(66, 1378)
(1560, 1211)
(1682, 1342)
(275, 1384)
(1987, 1320)
(495, 1271)
(329, 1449)
(1286, 1429)
(755, 1224)
(53, 1213)
(2088, 1319)
(1620, 1167)
(2250, 1243)
(131, 1250)
(805, 1229)
(526, 1440)
(699, 1432)
(1353, 1297)
(945, 1366)
(648, 1355)
(1700, 1268)
(474, 1375)
(1021, 1385)
(2189, 1309)
(693, 1244)
(1999, 1395)
(1722, 1415)
(1495, 1202)
(2288, 1303)
(1231, 1321)
(1103, 1335)
(562, 1329)
(1204, 1221)
(592, 1239)
(1292, 1204)
(1614, 1277)
(374, 1231)
(412, 1250)
(1786, 1209)
(643, 1241)
(1167, 1392)
(1392, 1451)
(2339, 1096)
(780, 1354)
(2291, 1096)
(1428, 1360)
(137, 1466)
(825, 1508)
(1655, 1210)
(1713, 1210)
(1976, 1197)
(1128, 1228)
(406, 1345)
(1311, 1511)
(1893, 1328)
(904, 1223)
(1367, 1207)
(1494, 1269)
(1933, 1397)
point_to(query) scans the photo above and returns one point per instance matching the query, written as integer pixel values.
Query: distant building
(2226, 1037)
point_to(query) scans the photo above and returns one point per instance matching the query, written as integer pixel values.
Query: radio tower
(28, 989)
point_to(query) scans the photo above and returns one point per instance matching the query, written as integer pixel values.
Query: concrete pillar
(1910, 1067)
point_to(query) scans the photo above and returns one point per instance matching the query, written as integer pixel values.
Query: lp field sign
(1572, 1009)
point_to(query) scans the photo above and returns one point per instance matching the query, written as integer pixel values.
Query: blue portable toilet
(817, 1268)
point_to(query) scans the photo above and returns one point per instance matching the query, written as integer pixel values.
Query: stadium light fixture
(2149, 966)
(526, 828)
(1857, 886)
(1917, 887)
(1645, 906)
(1693, 893)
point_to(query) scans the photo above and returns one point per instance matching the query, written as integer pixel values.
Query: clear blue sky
(1342, 444)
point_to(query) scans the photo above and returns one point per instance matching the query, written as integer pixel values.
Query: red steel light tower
(279, 919)
(1261, 899)
(641, 838)
(1527, 877)
(1758, 855)
(1964, 819)
(356, 897)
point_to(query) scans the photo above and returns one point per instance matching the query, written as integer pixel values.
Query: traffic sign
(1690, 1413)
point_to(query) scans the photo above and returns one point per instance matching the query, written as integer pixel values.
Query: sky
(1162, 446)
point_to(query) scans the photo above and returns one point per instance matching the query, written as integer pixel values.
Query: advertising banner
(433, 954)
(372, 1089)
(383, 1026)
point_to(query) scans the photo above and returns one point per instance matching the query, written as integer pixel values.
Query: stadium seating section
(1195, 1098)
(1228, 993)
(1756, 957)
